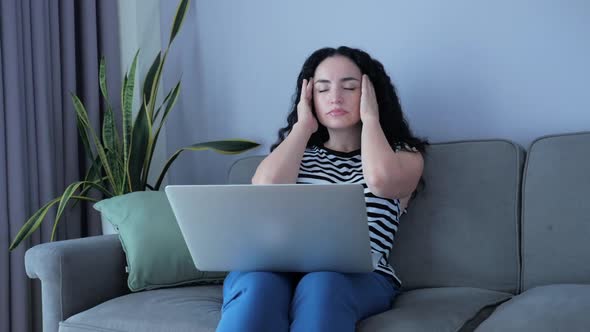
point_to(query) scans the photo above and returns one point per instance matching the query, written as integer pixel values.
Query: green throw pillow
(157, 255)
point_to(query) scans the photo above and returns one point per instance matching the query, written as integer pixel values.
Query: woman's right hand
(305, 115)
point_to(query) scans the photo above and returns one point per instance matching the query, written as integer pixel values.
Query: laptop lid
(287, 227)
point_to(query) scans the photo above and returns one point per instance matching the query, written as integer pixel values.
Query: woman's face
(337, 92)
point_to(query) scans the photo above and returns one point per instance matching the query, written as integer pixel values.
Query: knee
(256, 288)
(322, 286)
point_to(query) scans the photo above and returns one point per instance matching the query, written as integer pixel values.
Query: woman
(346, 125)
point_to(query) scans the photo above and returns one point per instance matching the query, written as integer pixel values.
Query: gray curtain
(48, 49)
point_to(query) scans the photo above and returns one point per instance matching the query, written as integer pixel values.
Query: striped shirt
(321, 165)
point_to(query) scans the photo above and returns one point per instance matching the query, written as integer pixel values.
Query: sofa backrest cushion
(462, 229)
(556, 211)
(242, 171)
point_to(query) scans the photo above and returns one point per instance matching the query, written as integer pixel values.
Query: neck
(344, 140)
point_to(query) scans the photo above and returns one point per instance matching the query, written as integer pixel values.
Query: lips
(337, 112)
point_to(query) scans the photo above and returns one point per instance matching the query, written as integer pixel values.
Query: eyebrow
(341, 80)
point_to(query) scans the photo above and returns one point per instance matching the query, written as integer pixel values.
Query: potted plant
(121, 162)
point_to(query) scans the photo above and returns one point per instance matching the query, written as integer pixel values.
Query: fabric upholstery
(434, 309)
(242, 171)
(462, 229)
(556, 211)
(76, 275)
(560, 307)
(195, 308)
(198, 308)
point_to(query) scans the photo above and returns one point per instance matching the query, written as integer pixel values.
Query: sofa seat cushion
(434, 309)
(561, 307)
(196, 308)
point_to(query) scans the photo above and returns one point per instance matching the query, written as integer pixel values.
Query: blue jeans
(317, 301)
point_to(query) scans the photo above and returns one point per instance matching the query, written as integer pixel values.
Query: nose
(335, 97)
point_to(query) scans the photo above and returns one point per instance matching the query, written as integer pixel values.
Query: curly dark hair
(391, 117)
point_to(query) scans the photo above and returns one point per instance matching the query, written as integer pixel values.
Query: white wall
(463, 69)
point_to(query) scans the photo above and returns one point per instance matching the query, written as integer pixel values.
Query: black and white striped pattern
(321, 165)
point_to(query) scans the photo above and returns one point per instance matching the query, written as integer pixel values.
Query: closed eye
(351, 89)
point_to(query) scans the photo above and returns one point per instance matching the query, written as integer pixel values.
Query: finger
(310, 88)
(303, 89)
(366, 84)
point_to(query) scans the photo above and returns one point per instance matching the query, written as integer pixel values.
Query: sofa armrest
(76, 275)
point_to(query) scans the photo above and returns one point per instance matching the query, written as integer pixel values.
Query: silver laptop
(283, 228)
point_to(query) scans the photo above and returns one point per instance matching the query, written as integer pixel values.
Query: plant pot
(107, 227)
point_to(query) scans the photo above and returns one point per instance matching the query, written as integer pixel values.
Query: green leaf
(148, 152)
(83, 132)
(34, 222)
(93, 174)
(178, 19)
(93, 179)
(81, 113)
(110, 137)
(127, 108)
(138, 149)
(224, 147)
(155, 86)
(109, 130)
(163, 102)
(118, 172)
(171, 102)
(171, 97)
(83, 120)
(149, 81)
(102, 78)
(65, 198)
(125, 79)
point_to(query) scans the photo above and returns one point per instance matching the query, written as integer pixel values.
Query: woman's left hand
(369, 105)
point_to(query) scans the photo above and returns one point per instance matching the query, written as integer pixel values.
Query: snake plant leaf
(139, 144)
(164, 102)
(155, 86)
(229, 146)
(64, 199)
(171, 102)
(82, 124)
(178, 19)
(83, 133)
(108, 130)
(127, 107)
(172, 98)
(110, 137)
(34, 222)
(93, 174)
(83, 120)
(149, 148)
(149, 81)
(117, 170)
(102, 78)
(58, 216)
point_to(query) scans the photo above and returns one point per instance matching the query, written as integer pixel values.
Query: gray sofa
(497, 241)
